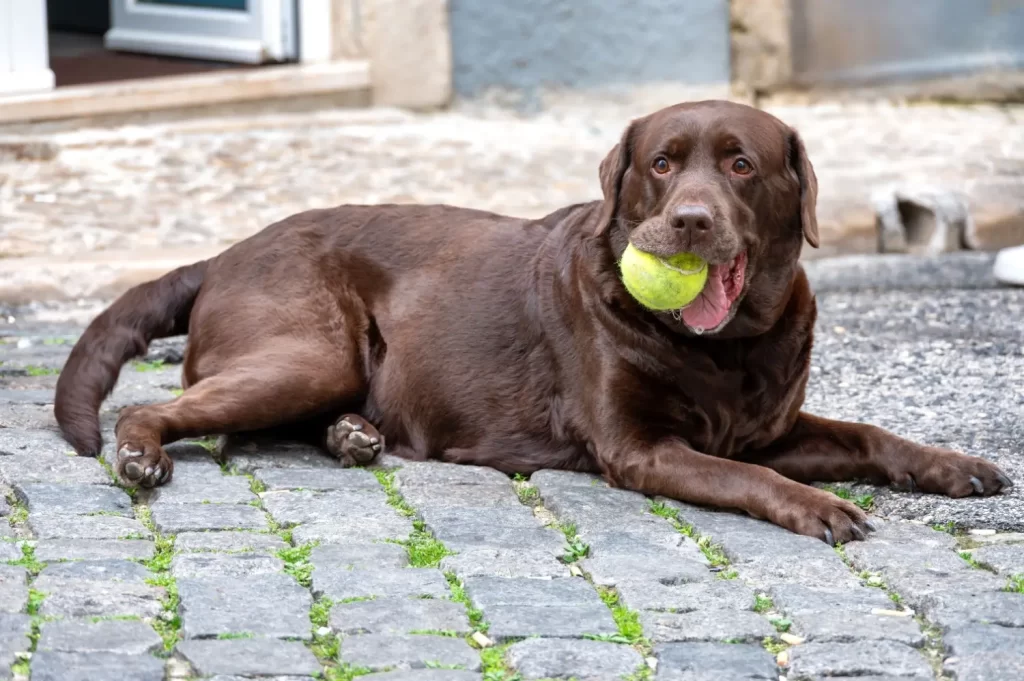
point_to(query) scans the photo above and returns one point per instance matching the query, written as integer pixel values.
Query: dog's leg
(821, 450)
(674, 470)
(251, 393)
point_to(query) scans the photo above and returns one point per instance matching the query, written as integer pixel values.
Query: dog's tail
(156, 309)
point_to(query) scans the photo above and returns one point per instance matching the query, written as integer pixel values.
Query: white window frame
(24, 60)
(264, 32)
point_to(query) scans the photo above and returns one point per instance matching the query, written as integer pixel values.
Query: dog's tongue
(711, 306)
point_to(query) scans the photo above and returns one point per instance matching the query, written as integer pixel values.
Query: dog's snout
(692, 217)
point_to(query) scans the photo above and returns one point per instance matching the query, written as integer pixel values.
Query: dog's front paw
(940, 471)
(144, 466)
(354, 441)
(815, 513)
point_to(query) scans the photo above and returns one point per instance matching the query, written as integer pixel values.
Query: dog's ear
(612, 170)
(801, 165)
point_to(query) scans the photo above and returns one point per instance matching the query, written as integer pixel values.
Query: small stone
(110, 570)
(714, 662)
(381, 652)
(791, 639)
(271, 605)
(399, 616)
(215, 565)
(63, 526)
(84, 598)
(862, 658)
(248, 657)
(55, 666)
(358, 556)
(481, 639)
(13, 588)
(49, 550)
(730, 626)
(174, 518)
(978, 532)
(317, 479)
(340, 584)
(227, 541)
(127, 637)
(563, 659)
(73, 499)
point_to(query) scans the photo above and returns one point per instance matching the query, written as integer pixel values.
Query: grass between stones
(576, 549)
(631, 632)
(18, 515)
(296, 562)
(865, 501)
(423, 548)
(143, 367)
(713, 552)
(494, 666)
(527, 493)
(168, 623)
(1016, 584)
(33, 370)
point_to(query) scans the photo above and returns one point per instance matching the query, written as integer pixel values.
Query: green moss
(864, 501)
(424, 550)
(19, 511)
(458, 594)
(773, 645)
(143, 367)
(627, 621)
(1016, 584)
(177, 392)
(235, 635)
(713, 552)
(256, 486)
(494, 666)
(345, 672)
(28, 560)
(763, 603)
(33, 370)
(35, 601)
(168, 623)
(576, 549)
(296, 562)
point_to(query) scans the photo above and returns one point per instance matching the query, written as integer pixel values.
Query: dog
(475, 338)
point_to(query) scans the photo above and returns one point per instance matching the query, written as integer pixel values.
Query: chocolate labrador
(475, 338)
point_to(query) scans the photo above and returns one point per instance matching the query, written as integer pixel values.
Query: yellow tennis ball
(663, 283)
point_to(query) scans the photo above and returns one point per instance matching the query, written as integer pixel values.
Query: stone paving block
(714, 662)
(110, 570)
(984, 651)
(1006, 558)
(727, 626)
(598, 507)
(213, 565)
(127, 637)
(54, 666)
(271, 605)
(214, 488)
(355, 531)
(294, 508)
(466, 529)
(609, 570)
(9, 550)
(29, 442)
(558, 621)
(73, 499)
(248, 657)
(462, 496)
(507, 563)
(994, 607)
(65, 526)
(657, 540)
(340, 583)
(227, 541)
(221, 677)
(553, 479)
(863, 658)
(434, 474)
(249, 454)
(425, 675)
(56, 468)
(85, 598)
(49, 550)
(562, 659)
(14, 638)
(358, 557)
(13, 588)
(485, 592)
(399, 616)
(174, 518)
(317, 479)
(379, 652)
(718, 594)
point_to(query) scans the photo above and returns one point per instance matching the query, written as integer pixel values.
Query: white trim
(26, 81)
(185, 45)
(314, 22)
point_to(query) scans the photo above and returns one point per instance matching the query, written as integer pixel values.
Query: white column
(24, 60)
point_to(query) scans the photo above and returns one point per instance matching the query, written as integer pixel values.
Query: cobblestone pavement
(212, 182)
(266, 560)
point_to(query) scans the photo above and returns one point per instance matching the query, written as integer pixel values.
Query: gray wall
(873, 41)
(527, 44)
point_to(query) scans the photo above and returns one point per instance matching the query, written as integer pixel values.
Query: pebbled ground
(264, 560)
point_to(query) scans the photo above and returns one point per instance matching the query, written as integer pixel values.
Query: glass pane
(212, 4)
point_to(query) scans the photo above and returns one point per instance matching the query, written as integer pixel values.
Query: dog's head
(727, 182)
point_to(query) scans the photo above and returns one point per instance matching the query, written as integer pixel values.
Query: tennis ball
(663, 283)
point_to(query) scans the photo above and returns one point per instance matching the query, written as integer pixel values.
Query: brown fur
(470, 337)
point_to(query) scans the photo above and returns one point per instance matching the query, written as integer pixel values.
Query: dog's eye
(742, 167)
(661, 165)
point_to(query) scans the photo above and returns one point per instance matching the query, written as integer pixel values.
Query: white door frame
(24, 59)
(264, 32)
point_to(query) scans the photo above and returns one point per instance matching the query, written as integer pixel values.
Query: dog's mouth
(713, 306)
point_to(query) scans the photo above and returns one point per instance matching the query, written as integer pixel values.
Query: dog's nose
(692, 217)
